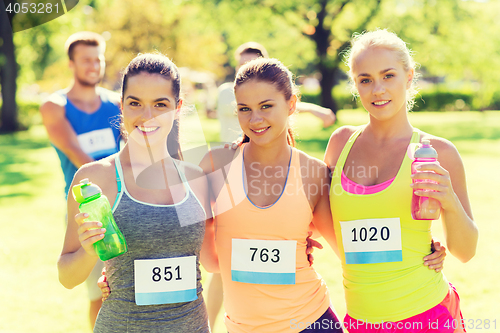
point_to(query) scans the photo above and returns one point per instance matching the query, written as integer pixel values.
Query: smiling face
(263, 111)
(149, 108)
(381, 82)
(88, 64)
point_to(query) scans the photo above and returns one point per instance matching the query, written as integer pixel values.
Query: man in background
(82, 123)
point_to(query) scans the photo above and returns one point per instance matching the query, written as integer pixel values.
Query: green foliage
(443, 100)
(344, 99)
(28, 113)
(434, 98)
(452, 39)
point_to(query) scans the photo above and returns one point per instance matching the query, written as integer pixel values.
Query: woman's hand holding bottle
(89, 232)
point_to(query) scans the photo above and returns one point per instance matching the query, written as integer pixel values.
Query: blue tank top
(98, 133)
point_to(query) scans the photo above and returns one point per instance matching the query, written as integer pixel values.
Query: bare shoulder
(309, 160)
(446, 149)
(448, 155)
(191, 170)
(312, 169)
(342, 134)
(217, 158)
(55, 103)
(337, 141)
(100, 172)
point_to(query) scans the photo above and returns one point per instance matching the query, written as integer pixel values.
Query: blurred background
(456, 43)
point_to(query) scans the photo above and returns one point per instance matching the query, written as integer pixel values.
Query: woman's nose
(256, 118)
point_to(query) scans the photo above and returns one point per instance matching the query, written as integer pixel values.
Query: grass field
(32, 226)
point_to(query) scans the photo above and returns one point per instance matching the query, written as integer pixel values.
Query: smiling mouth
(380, 103)
(147, 129)
(260, 130)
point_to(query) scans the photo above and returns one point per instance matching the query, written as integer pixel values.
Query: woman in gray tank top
(165, 219)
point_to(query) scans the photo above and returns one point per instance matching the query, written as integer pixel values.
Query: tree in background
(329, 24)
(453, 39)
(8, 75)
(183, 31)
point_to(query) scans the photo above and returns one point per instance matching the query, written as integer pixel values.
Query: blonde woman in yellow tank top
(394, 294)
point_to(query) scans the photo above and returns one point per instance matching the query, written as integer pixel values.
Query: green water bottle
(96, 204)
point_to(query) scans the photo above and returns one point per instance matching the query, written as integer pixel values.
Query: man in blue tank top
(81, 122)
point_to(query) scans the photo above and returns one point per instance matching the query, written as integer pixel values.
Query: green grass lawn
(32, 223)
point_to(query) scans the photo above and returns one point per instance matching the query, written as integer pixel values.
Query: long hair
(159, 64)
(271, 71)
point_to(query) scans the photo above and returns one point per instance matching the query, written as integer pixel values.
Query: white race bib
(165, 281)
(372, 241)
(263, 261)
(98, 142)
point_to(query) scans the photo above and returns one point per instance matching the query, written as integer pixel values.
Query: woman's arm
(78, 257)
(450, 190)
(316, 180)
(208, 254)
(322, 220)
(200, 185)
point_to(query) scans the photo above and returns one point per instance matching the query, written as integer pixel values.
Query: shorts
(445, 317)
(328, 322)
(94, 291)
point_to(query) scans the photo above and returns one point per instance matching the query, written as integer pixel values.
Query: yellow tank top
(382, 247)
(263, 298)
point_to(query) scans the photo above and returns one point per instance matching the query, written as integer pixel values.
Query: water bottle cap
(84, 190)
(426, 150)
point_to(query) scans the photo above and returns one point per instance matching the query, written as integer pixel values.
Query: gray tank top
(153, 232)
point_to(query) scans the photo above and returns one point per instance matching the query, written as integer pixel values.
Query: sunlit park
(455, 42)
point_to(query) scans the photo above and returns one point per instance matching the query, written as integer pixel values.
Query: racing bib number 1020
(263, 261)
(372, 241)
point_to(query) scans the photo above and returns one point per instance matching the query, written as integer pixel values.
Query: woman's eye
(161, 105)
(243, 109)
(365, 81)
(388, 76)
(266, 106)
(133, 104)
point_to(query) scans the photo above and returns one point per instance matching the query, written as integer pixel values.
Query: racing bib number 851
(165, 281)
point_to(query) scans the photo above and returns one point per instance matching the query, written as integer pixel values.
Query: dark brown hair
(84, 38)
(271, 71)
(158, 64)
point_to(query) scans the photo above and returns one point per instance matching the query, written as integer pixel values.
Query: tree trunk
(327, 83)
(321, 38)
(8, 75)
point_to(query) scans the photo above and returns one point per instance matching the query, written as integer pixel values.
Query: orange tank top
(268, 283)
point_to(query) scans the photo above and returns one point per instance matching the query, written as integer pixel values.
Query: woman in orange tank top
(264, 205)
